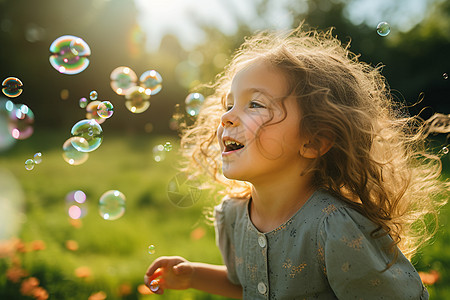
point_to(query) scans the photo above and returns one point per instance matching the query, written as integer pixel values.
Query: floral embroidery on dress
(252, 270)
(355, 244)
(293, 270)
(345, 267)
(375, 282)
(329, 209)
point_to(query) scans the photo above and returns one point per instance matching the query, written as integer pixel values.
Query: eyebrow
(253, 90)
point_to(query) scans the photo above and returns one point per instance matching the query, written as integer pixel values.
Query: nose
(229, 119)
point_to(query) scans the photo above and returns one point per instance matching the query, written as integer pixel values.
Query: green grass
(116, 251)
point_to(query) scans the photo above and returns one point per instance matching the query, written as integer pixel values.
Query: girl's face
(259, 140)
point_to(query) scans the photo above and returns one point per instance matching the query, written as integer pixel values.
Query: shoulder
(230, 208)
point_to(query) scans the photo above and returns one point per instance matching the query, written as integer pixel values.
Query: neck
(275, 202)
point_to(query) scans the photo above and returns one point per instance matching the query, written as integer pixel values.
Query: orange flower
(28, 286)
(71, 245)
(38, 245)
(7, 248)
(144, 290)
(15, 274)
(83, 272)
(430, 278)
(124, 289)
(20, 246)
(75, 223)
(40, 293)
(198, 233)
(98, 296)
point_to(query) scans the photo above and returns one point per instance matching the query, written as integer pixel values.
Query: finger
(153, 276)
(182, 268)
(160, 262)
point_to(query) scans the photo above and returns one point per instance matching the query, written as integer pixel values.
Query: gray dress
(325, 251)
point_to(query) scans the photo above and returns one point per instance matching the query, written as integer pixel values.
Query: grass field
(95, 258)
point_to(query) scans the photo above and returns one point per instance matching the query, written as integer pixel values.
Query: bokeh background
(43, 252)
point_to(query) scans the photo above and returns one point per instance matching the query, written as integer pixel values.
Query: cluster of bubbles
(159, 151)
(16, 120)
(111, 204)
(383, 29)
(87, 134)
(124, 81)
(31, 162)
(70, 54)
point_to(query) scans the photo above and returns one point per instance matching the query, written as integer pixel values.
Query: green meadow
(109, 258)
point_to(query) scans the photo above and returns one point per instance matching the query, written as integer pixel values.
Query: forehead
(260, 75)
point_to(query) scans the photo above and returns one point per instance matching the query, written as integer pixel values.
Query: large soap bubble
(21, 120)
(122, 80)
(137, 99)
(89, 131)
(194, 102)
(152, 81)
(71, 155)
(69, 54)
(112, 205)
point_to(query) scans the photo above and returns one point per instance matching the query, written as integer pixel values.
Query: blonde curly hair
(378, 163)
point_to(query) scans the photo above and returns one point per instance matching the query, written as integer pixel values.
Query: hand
(173, 272)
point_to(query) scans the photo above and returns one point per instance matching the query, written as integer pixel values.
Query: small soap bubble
(159, 153)
(168, 147)
(29, 164)
(12, 87)
(105, 109)
(69, 54)
(83, 102)
(93, 95)
(151, 249)
(38, 158)
(92, 112)
(154, 285)
(445, 76)
(383, 28)
(152, 81)
(445, 150)
(21, 120)
(193, 103)
(137, 99)
(89, 131)
(122, 80)
(71, 155)
(112, 205)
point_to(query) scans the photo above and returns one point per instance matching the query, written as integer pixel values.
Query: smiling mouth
(231, 145)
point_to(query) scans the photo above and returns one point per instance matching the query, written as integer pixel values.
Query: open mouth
(231, 145)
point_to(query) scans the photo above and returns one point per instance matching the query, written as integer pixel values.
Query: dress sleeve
(224, 241)
(355, 263)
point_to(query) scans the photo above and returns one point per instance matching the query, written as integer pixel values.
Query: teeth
(228, 142)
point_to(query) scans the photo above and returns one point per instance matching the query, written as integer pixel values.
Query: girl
(326, 178)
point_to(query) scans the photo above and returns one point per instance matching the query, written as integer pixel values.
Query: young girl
(326, 178)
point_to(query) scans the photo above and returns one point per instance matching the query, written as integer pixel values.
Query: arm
(175, 272)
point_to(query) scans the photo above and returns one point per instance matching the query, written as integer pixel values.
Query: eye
(254, 104)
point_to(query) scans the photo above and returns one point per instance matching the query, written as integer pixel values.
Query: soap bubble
(71, 155)
(69, 54)
(37, 158)
(105, 109)
(445, 76)
(168, 147)
(29, 164)
(92, 112)
(93, 95)
(21, 119)
(194, 102)
(159, 154)
(383, 28)
(83, 102)
(91, 132)
(445, 150)
(112, 205)
(137, 99)
(151, 249)
(122, 79)
(151, 80)
(12, 87)
(75, 204)
(154, 285)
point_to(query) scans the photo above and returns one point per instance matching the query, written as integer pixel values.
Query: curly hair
(378, 163)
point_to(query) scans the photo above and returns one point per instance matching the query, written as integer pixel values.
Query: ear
(317, 148)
